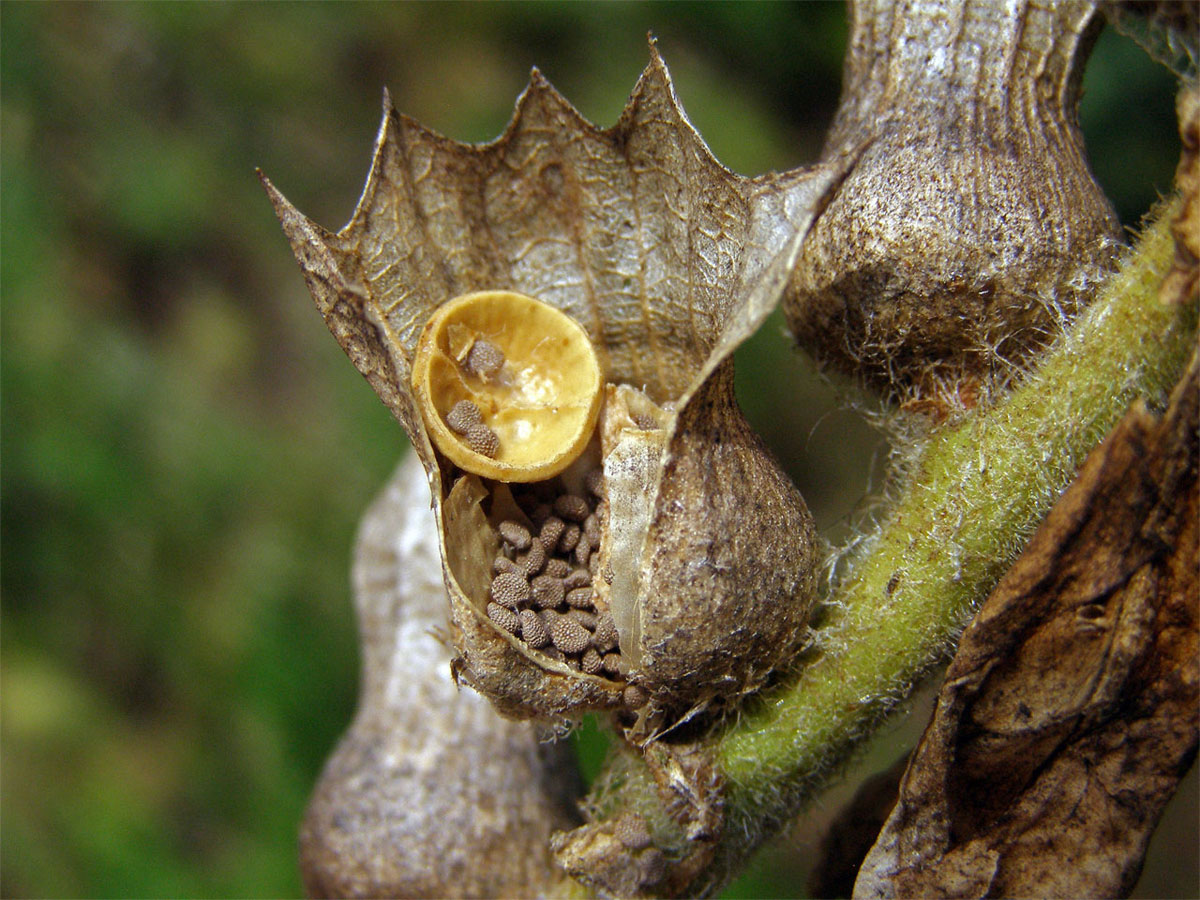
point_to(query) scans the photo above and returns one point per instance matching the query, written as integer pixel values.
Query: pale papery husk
(668, 261)
(429, 793)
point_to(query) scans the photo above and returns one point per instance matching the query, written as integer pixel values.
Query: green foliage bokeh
(186, 450)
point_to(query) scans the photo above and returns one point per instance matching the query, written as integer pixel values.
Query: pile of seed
(542, 579)
(466, 420)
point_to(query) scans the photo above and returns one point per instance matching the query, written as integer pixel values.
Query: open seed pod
(665, 561)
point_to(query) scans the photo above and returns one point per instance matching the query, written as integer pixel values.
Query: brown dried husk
(972, 227)
(668, 261)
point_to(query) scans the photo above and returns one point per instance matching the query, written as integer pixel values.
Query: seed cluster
(465, 419)
(541, 588)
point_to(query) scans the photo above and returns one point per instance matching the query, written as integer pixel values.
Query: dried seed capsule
(594, 481)
(482, 440)
(632, 831)
(605, 637)
(462, 416)
(505, 618)
(552, 530)
(542, 414)
(572, 507)
(570, 537)
(547, 591)
(591, 662)
(559, 568)
(510, 590)
(502, 565)
(677, 493)
(532, 561)
(515, 534)
(577, 579)
(568, 636)
(894, 293)
(484, 359)
(583, 617)
(612, 663)
(580, 598)
(533, 629)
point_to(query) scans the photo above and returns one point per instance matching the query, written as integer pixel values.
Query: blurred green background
(186, 450)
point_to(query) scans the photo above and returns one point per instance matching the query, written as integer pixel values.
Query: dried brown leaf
(1070, 712)
(1183, 281)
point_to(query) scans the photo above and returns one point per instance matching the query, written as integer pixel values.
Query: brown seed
(463, 415)
(577, 579)
(482, 440)
(591, 662)
(580, 598)
(502, 564)
(484, 359)
(605, 638)
(505, 618)
(532, 561)
(570, 537)
(568, 636)
(540, 513)
(634, 696)
(652, 867)
(547, 591)
(632, 831)
(612, 663)
(591, 530)
(510, 589)
(533, 629)
(572, 507)
(583, 617)
(583, 550)
(559, 568)
(594, 480)
(516, 534)
(552, 530)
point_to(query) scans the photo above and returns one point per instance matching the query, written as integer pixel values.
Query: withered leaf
(1070, 711)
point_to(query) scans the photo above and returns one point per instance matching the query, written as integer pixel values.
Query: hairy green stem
(975, 493)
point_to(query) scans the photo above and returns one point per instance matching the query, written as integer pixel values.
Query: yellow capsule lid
(539, 395)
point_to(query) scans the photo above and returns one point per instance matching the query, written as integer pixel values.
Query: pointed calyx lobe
(667, 260)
